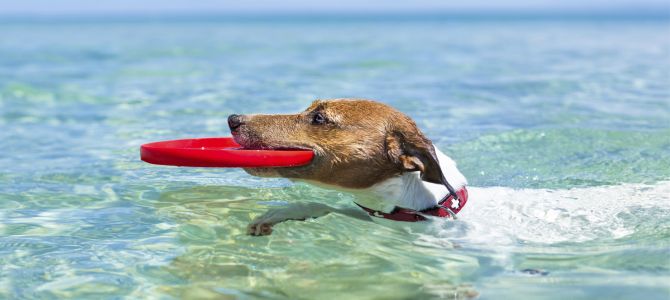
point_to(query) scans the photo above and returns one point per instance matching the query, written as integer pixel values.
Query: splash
(500, 215)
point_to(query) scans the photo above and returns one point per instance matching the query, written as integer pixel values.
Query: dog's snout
(235, 121)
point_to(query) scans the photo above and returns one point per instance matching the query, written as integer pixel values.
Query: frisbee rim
(219, 152)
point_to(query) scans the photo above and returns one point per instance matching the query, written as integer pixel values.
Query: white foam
(501, 216)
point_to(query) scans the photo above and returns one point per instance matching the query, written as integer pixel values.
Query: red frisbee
(219, 152)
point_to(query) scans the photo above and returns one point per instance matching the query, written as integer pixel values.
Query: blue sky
(52, 7)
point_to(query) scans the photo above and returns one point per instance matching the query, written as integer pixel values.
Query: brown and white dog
(363, 147)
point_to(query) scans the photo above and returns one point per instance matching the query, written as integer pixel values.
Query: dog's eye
(318, 119)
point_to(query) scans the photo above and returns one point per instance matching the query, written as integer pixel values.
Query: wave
(506, 216)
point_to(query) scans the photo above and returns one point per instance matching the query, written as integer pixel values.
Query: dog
(362, 147)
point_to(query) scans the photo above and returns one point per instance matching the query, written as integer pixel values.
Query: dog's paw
(262, 225)
(259, 229)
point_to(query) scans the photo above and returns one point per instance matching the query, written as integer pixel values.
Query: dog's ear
(414, 152)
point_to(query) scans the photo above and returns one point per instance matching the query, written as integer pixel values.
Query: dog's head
(356, 143)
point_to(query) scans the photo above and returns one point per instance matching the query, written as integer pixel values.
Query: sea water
(561, 125)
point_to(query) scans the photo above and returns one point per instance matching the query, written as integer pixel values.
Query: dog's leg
(262, 225)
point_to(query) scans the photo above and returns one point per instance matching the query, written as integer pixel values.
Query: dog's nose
(234, 121)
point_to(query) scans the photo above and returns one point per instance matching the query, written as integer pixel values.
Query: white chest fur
(409, 191)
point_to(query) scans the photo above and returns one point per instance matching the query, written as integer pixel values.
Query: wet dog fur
(361, 146)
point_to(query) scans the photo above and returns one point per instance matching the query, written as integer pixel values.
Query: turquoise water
(562, 125)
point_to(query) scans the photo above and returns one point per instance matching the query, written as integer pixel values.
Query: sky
(84, 7)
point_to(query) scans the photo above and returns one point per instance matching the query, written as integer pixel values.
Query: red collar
(440, 210)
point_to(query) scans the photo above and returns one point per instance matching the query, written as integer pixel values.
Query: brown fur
(363, 142)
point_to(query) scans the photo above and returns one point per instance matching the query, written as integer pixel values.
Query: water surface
(563, 124)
